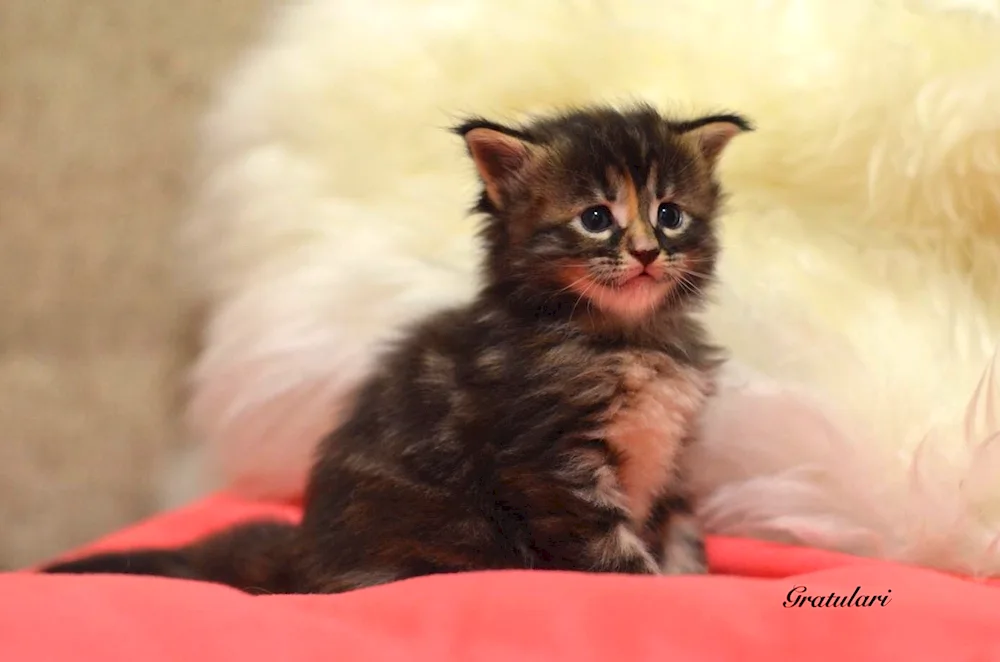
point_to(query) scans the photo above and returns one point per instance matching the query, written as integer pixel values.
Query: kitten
(542, 425)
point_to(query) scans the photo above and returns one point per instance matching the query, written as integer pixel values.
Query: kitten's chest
(648, 423)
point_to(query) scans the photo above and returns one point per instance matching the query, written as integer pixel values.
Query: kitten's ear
(501, 155)
(712, 134)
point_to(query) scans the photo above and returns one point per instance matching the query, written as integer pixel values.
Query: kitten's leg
(584, 538)
(674, 531)
(592, 530)
(622, 550)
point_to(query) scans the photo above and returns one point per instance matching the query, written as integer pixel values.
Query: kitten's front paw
(684, 547)
(621, 550)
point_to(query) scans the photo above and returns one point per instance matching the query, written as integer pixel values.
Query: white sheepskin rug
(860, 286)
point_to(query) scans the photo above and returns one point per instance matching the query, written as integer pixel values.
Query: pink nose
(645, 258)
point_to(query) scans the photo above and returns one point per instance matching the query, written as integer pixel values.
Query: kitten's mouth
(629, 295)
(638, 279)
(641, 279)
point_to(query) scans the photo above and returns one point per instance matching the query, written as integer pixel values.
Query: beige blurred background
(99, 102)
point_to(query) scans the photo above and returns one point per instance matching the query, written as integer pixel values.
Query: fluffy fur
(859, 278)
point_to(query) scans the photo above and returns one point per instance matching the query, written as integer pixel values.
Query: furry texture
(859, 278)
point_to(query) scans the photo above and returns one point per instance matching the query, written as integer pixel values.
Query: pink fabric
(738, 614)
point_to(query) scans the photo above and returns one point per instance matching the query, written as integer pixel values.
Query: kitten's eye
(597, 219)
(670, 217)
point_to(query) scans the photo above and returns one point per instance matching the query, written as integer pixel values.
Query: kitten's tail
(257, 558)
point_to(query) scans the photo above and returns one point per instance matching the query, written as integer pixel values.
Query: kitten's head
(612, 208)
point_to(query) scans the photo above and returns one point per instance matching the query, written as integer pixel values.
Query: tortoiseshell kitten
(540, 426)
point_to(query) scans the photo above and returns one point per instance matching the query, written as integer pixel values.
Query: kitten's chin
(633, 301)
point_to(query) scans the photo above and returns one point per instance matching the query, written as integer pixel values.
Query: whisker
(582, 278)
(689, 272)
(583, 294)
(693, 259)
(688, 286)
(569, 287)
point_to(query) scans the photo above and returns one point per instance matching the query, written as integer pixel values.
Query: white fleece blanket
(859, 289)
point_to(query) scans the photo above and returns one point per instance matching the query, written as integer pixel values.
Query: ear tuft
(713, 133)
(500, 154)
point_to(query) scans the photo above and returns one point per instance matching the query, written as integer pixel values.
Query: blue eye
(669, 216)
(597, 219)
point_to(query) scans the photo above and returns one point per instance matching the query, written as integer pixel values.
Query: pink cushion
(739, 614)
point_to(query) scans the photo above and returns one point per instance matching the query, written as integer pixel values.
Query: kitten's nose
(646, 257)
